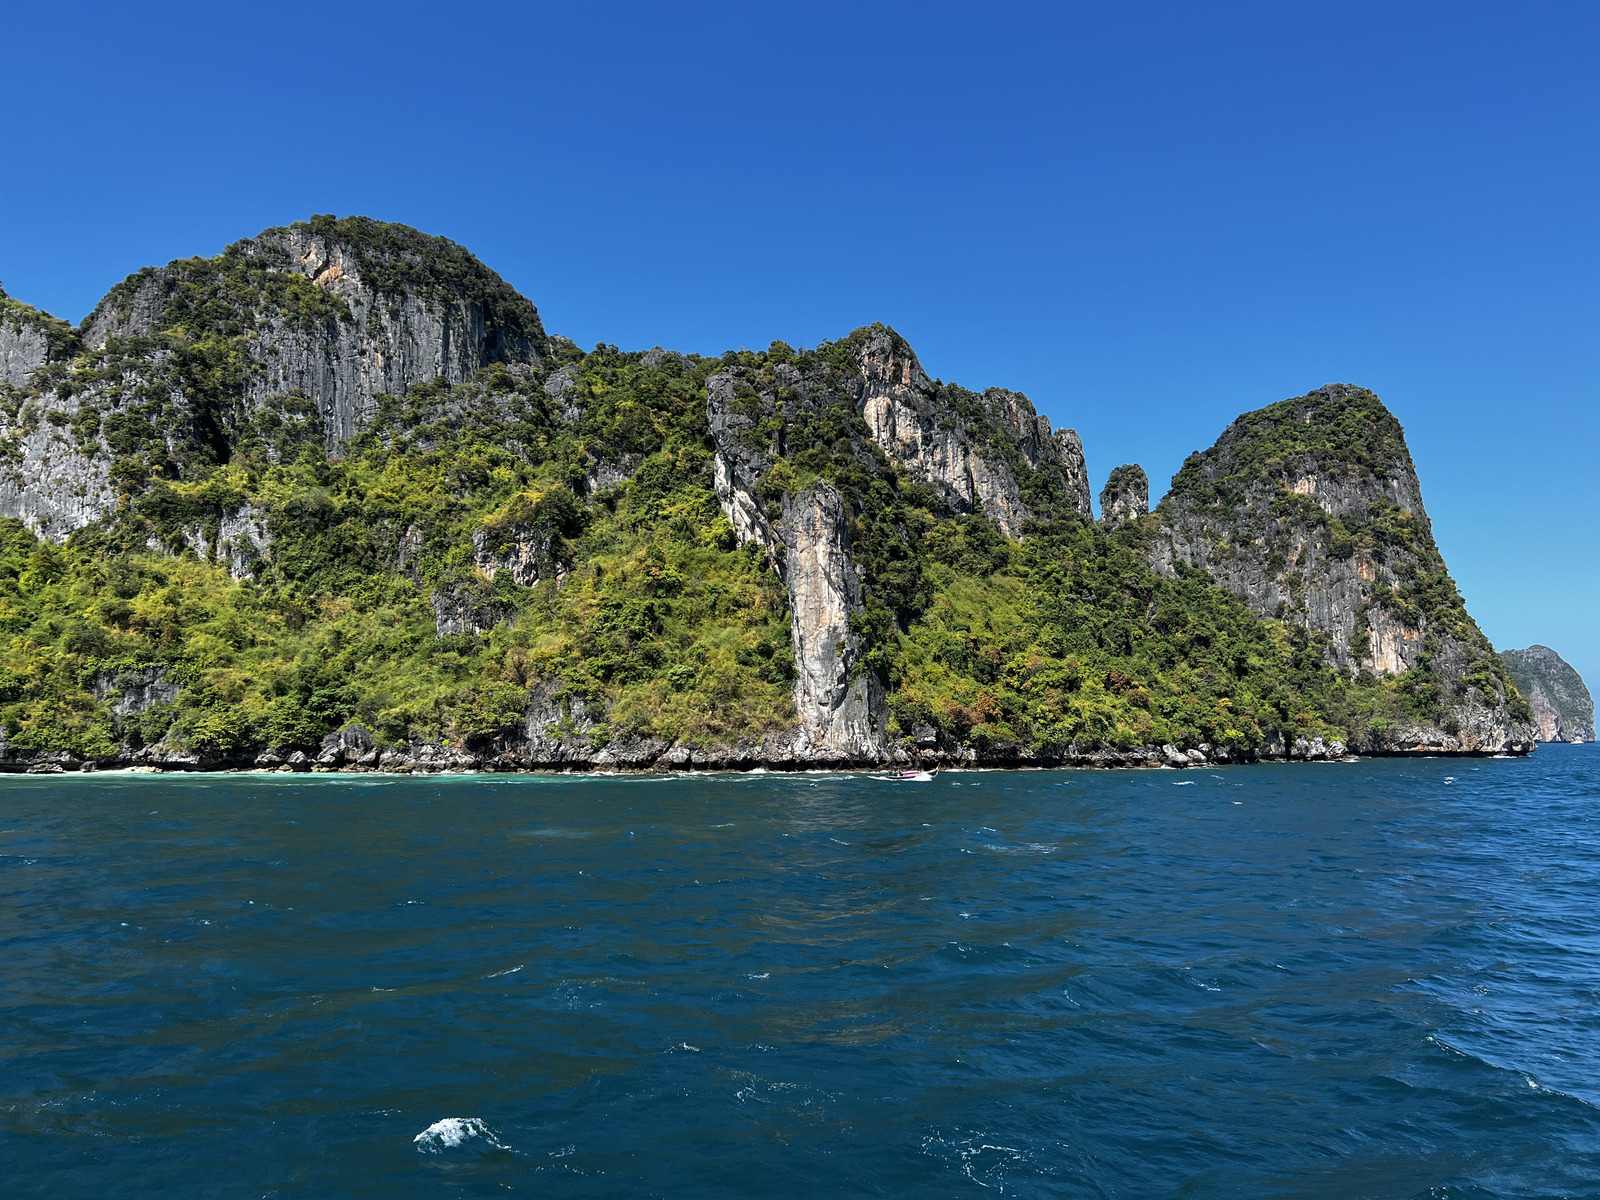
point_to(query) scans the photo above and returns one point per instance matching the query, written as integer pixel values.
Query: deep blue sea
(1372, 979)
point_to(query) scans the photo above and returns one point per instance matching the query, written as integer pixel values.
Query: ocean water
(1347, 980)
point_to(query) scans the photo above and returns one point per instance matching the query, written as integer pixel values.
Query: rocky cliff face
(371, 310)
(174, 365)
(805, 534)
(841, 704)
(1126, 496)
(1310, 511)
(1563, 710)
(873, 409)
(24, 346)
(967, 445)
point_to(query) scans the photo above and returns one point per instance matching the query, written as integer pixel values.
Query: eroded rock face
(24, 348)
(1310, 511)
(842, 709)
(1272, 545)
(841, 706)
(1126, 496)
(961, 453)
(527, 555)
(242, 540)
(978, 453)
(334, 313)
(465, 609)
(351, 745)
(47, 481)
(385, 330)
(1563, 710)
(134, 691)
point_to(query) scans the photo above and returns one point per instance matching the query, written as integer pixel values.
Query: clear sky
(1149, 217)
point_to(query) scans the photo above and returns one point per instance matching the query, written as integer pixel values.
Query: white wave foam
(454, 1131)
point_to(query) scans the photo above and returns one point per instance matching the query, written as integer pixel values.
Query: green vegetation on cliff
(660, 624)
(552, 526)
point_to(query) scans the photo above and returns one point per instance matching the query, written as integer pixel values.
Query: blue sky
(1149, 217)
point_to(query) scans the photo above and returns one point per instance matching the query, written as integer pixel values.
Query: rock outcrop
(805, 534)
(135, 690)
(25, 341)
(1310, 511)
(527, 555)
(466, 608)
(967, 445)
(176, 361)
(342, 311)
(1126, 496)
(1563, 710)
(841, 704)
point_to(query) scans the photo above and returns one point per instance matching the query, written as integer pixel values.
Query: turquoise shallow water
(1361, 979)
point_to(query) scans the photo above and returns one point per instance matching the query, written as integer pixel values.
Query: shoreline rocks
(354, 750)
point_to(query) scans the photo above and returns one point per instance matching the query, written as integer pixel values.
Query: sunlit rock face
(1310, 511)
(177, 363)
(966, 444)
(1563, 710)
(365, 311)
(1126, 496)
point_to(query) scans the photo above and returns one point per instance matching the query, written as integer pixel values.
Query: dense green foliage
(557, 520)
(660, 622)
(1343, 430)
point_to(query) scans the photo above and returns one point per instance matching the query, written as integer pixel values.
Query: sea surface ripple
(1373, 979)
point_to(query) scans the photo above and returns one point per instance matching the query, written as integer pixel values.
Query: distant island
(335, 499)
(1563, 710)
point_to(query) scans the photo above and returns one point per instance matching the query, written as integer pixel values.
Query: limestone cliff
(179, 363)
(1126, 496)
(1310, 511)
(805, 533)
(1563, 710)
(977, 449)
(28, 340)
(341, 311)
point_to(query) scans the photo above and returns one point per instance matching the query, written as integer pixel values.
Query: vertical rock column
(835, 701)
(1126, 496)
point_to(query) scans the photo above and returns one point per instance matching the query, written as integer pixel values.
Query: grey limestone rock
(352, 744)
(392, 326)
(841, 706)
(1304, 520)
(24, 348)
(527, 555)
(923, 427)
(46, 482)
(135, 690)
(1563, 710)
(464, 608)
(340, 313)
(241, 541)
(974, 450)
(1126, 496)
(1278, 554)
(562, 388)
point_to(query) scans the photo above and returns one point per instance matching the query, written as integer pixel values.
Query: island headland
(335, 499)
(1563, 710)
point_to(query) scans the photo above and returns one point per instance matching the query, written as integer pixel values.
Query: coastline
(439, 759)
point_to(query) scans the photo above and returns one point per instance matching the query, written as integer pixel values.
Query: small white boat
(908, 777)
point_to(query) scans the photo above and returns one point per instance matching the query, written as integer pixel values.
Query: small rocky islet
(335, 499)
